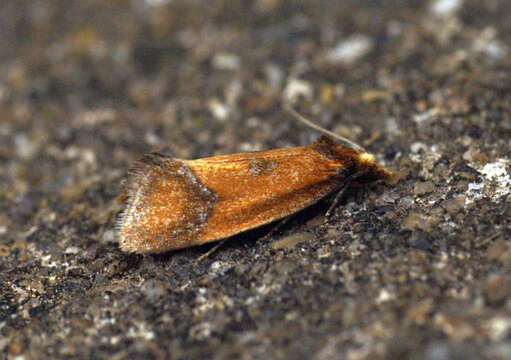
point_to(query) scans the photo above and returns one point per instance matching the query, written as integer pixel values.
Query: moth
(175, 203)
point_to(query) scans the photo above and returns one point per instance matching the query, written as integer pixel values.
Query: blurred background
(417, 270)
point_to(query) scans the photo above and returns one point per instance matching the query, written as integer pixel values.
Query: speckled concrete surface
(416, 270)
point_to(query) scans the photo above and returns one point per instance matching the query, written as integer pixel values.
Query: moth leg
(277, 227)
(340, 193)
(211, 251)
(272, 232)
(336, 200)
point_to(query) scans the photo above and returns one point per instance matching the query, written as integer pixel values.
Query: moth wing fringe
(136, 179)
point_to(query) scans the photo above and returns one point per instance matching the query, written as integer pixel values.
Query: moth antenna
(309, 123)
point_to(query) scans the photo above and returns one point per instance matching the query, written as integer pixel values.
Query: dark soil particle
(419, 269)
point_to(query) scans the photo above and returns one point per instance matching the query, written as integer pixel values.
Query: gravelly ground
(416, 270)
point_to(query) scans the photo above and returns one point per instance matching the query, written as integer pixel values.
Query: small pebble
(290, 241)
(422, 188)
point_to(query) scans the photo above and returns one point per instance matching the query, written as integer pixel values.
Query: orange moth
(174, 203)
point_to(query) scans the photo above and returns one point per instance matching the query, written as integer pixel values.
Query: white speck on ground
(220, 111)
(425, 116)
(498, 327)
(228, 62)
(350, 50)
(446, 8)
(488, 44)
(296, 88)
(384, 296)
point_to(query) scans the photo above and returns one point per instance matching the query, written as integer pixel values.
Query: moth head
(372, 171)
(366, 159)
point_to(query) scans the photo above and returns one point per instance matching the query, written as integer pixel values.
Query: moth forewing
(173, 203)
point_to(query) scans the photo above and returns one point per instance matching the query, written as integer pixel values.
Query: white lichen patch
(498, 172)
(497, 182)
(474, 192)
